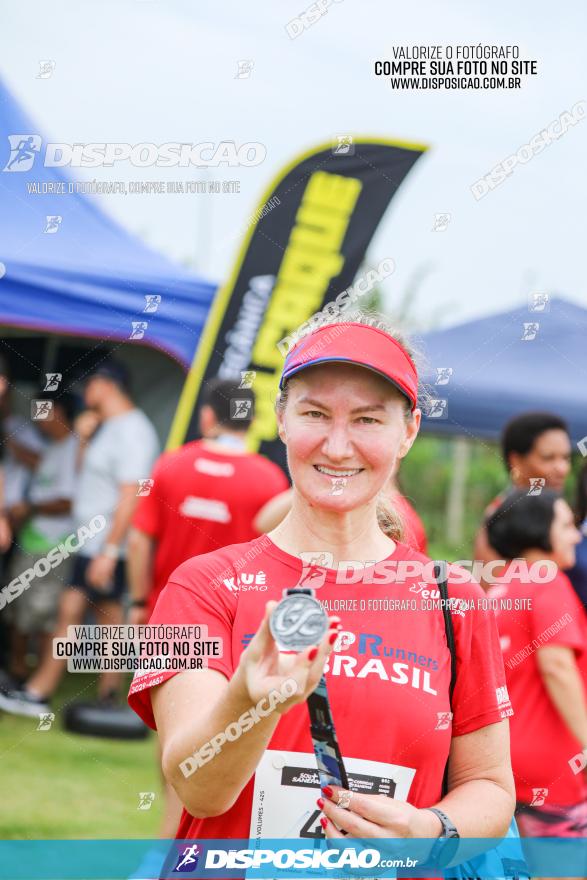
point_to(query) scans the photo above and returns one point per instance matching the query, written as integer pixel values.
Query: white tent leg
(455, 501)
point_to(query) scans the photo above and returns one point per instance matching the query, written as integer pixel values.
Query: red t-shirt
(497, 502)
(541, 744)
(202, 500)
(414, 531)
(388, 684)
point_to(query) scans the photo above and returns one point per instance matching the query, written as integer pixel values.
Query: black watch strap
(444, 849)
(448, 828)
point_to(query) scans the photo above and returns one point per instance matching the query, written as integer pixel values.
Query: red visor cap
(357, 344)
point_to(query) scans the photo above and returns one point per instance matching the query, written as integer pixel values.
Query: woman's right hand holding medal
(265, 669)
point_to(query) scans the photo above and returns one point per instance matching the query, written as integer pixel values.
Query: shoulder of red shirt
(497, 502)
(216, 564)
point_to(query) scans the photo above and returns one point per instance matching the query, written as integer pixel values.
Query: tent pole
(50, 357)
(455, 502)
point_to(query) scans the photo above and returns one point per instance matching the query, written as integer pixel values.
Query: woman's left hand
(375, 815)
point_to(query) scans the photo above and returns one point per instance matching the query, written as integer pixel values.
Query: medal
(299, 621)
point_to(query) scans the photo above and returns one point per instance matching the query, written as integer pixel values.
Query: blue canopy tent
(498, 374)
(89, 277)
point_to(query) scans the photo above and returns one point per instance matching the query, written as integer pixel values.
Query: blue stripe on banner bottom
(150, 859)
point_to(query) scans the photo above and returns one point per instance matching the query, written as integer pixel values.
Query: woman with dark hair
(578, 573)
(543, 630)
(347, 412)
(536, 449)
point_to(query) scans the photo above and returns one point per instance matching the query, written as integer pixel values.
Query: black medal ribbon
(313, 624)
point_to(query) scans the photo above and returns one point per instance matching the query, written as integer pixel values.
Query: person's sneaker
(9, 682)
(20, 702)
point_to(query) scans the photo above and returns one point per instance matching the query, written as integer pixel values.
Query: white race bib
(287, 785)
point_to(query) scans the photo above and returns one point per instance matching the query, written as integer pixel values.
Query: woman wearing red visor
(236, 741)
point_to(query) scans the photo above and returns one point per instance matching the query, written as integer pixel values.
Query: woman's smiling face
(344, 427)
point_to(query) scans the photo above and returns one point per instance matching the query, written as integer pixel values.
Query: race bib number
(287, 785)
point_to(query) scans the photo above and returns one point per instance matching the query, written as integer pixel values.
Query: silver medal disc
(298, 622)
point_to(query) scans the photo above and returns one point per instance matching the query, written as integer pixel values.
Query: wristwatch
(447, 844)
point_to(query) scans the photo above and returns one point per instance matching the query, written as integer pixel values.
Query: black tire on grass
(113, 722)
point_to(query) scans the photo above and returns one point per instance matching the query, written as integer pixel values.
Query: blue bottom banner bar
(313, 858)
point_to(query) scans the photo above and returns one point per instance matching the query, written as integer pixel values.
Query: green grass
(59, 785)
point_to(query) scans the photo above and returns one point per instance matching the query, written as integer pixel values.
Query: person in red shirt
(202, 496)
(543, 630)
(347, 412)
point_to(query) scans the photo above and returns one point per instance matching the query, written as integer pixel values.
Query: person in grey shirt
(118, 446)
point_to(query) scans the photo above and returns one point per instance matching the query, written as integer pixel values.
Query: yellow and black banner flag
(304, 247)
